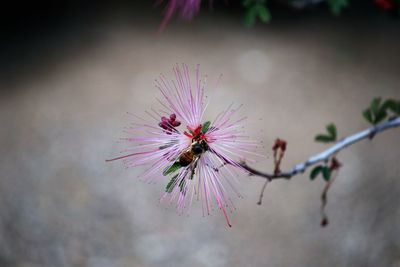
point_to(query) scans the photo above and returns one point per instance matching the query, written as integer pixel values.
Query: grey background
(62, 112)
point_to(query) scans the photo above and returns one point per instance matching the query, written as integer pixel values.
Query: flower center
(199, 133)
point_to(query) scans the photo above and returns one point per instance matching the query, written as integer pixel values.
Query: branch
(326, 154)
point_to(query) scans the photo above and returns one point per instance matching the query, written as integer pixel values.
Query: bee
(193, 153)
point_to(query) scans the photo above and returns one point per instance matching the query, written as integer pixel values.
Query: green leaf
(337, 6)
(367, 115)
(330, 137)
(392, 105)
(324, 138)
(331, 128)
(205, 127)
(380, 116)
(378, 111)
(326, 173)
(170, 185)
(314, 173)
(246, 3)
(173, 168)
(375, 103)
(250, 16)
(263, 13)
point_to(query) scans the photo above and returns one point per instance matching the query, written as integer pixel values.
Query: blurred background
(69, 72)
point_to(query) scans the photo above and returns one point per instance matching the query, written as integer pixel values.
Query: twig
(326, 154)
(262, 192)
(324, 200)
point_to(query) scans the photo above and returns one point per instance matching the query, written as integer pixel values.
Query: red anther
(169, 124)
(197, 131)
(190, 129)
(187, 134)
(175, 123)
(163, 125)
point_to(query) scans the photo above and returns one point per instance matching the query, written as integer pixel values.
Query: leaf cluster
(256, 9)
(330, 136)
(320, 169)
(378, 110)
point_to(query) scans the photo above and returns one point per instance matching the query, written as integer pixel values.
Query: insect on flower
(200, 158)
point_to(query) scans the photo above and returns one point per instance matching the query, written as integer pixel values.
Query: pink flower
(199, 158)
(186, 9)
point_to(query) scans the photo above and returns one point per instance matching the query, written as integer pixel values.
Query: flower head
(198, 158)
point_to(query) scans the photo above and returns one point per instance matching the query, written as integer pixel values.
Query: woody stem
(326, 154)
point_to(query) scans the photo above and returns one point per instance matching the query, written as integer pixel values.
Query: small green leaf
(330, 137)
(314, 173)
(246, 3)
(170, 185)
(392, 105)
(263, 13)
(250, 16)
(378, 111)
(324, 138)
(205, 127)
(326, 173)
(174, 167)
(380, 116)
(367, 115)
(375, 103)
(331, 128)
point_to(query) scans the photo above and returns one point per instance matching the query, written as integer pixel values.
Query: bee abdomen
(186, 159)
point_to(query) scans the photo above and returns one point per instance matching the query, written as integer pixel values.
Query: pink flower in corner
(199, 158)
(186, 9)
